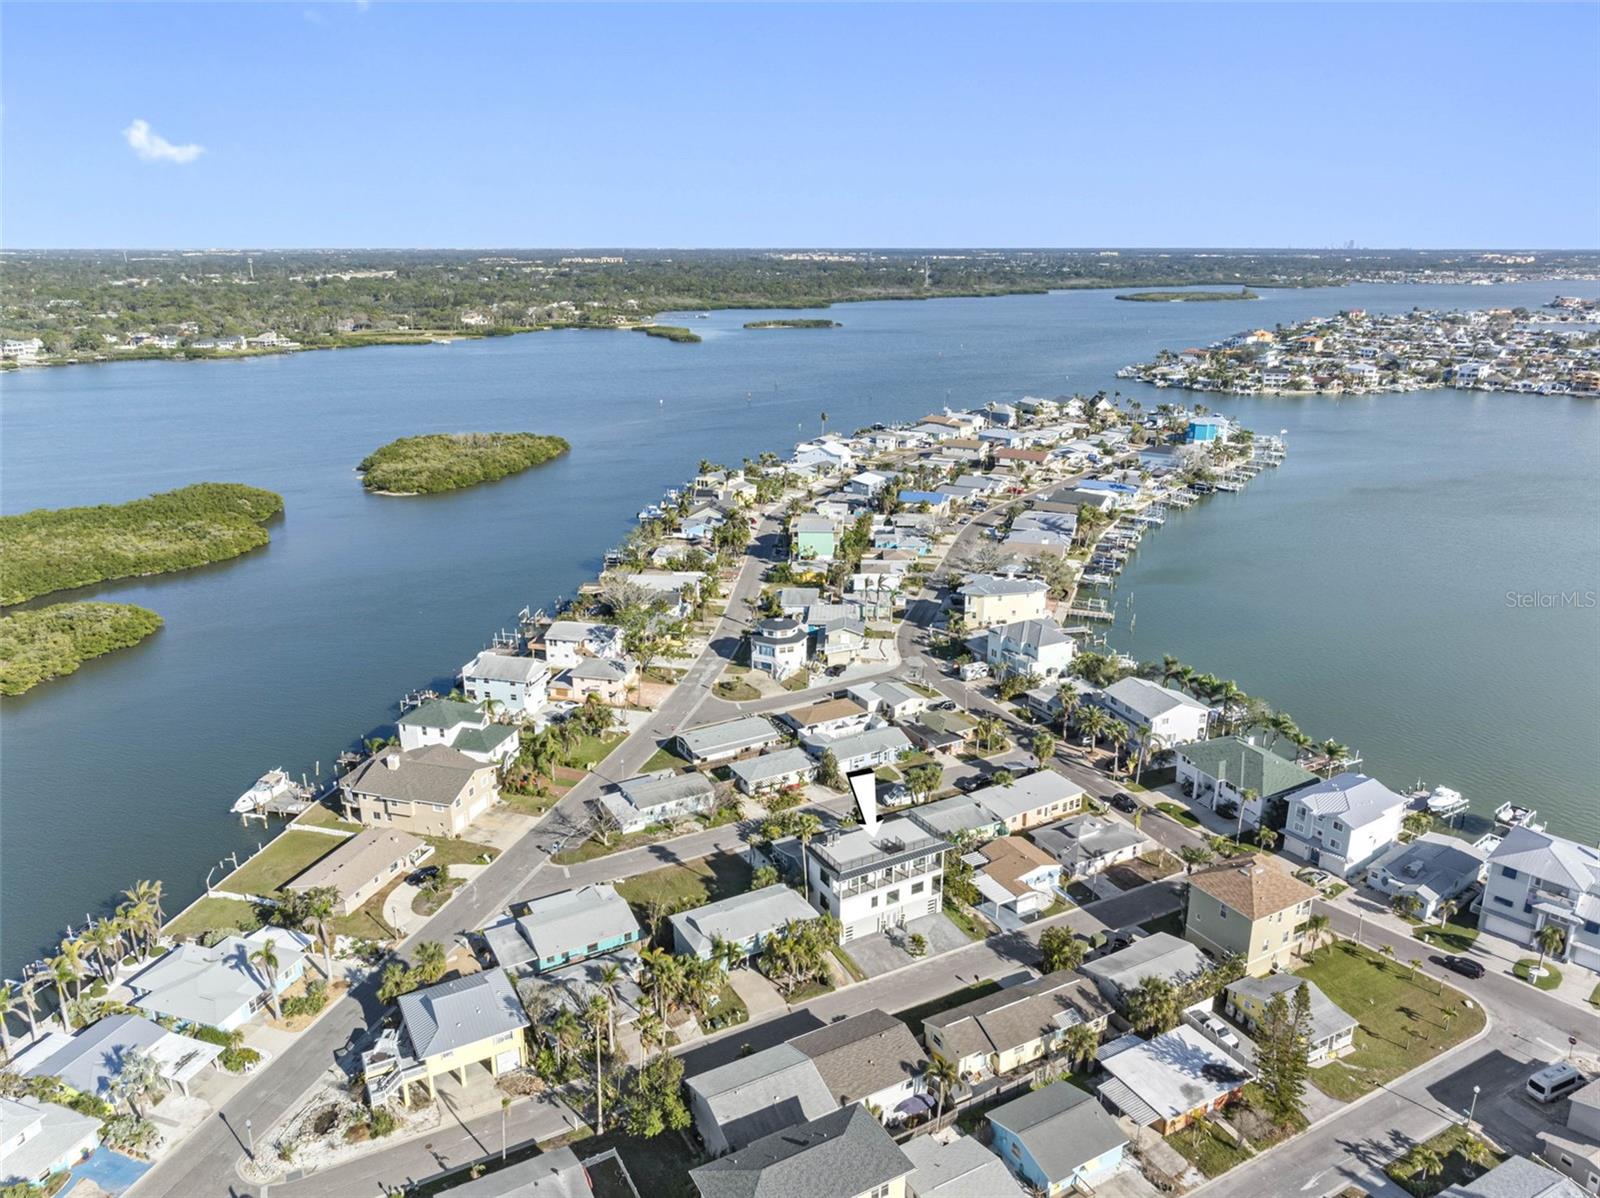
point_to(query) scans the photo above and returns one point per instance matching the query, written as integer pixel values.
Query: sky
(505, 125)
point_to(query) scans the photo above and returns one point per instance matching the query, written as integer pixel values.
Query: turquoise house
(811, 538)
(1057, 1137)
(564, 928)
(1205, 429)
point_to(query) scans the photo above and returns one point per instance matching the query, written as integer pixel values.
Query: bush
(309, 1003)
(213, 1035)
(382, 1123)
(237, 1060)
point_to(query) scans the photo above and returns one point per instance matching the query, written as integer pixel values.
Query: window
(1222, 912)
(1507, 872)
(893, 896)
(1503, 901)
(916, 888)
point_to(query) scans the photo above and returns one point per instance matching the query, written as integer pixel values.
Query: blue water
(1360, 587)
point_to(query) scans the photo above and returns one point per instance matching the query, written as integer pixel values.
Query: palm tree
(1081, 1042)
(104, 938)
(943, 1076)
(7, 997)
(1551, 939)
(1425, 1162)
(139, 1075)
(610, 977)
(72, 955)
(265, 959)
(1475, 1152)
(1267, 838)
(566, 1029)
(988, 733)
(803, 826)
(1117, 733)
(1316, 928)
(315, 908)
(1091, 723)
(1445, 910)
(1044, 748)
(148, 892)
(1193, 856)
(429, 959)
(1070, 701)
(597, 1014)
(29, 998)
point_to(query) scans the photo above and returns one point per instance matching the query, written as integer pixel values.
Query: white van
(1553, 1082)
(972, 670)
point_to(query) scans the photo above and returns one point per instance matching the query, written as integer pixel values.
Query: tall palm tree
(104, 938)
(1551, 939)
(1117, 733)
(1193, 856)
(315, 908)
(988, 731)
(1266, 838)
(1425, 1162)
(265, 959)
(943, 1076)
(1070, 701)
(1044, 748)
(803, 826)
(1081, 1042)
(429, 958)
(72, 954)
(597, 1014)
(610, 978)
(566, 1030)
(28, 996)
(1091, 723)
(61, 974)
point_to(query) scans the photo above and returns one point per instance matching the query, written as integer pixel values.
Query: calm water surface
(1361, 587)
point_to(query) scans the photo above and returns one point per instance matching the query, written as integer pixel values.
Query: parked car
(1465, 966)
(1123, 801)
(1553, 1082)
(419, 877)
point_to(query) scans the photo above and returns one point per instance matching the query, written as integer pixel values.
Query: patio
(882, 952)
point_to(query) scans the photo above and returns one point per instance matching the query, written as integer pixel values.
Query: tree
(1091, 722)
(429, 959)
(597, 1015)
(828, 772)
(923, 780)
(653, 1101)
(1551, 939)
(314, 909)
(1417, 822)
(610, 979)
(763, 876)
(140, 1075)
(1044, 748)
(396, 980)
(1405, 906)
(989, 734)
(61, 976)
(1266, 838)
(943, 1076)
(1193, 855)
(1060, 949)
(1154, 1006)
(1316, 928)
(1081, 1042)
(1445, 910)
(1283, 1054)
(1424, 1162)
(265, 959)
(804, 826)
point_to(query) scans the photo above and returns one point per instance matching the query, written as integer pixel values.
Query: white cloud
(152, 147)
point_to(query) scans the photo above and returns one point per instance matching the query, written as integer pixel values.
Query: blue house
(1057, 1137)
(936, 500)
(1205, 429)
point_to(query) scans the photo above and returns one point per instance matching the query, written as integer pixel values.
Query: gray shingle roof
(1517, 1177)
(553, 1174)
(755, 770)
(1161, 955)
(653, 790)
(1019, 1015)
(1038, 789)
(988, 584)
(861, 744)
(434, 774)
(459, 1012)
(765, 1092)
(962, 1168)
(571, 920)
(840, 1155)
(1061, 1126)
(353, 864)
(1147, 698)
(740, 917)
(503, 667)
(1327, 1017)
(863, 1054)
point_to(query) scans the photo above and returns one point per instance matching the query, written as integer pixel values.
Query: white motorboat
(1515, 815)
(274, 784)
(1444, 802)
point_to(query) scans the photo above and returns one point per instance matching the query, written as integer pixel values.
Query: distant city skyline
(1317, 127)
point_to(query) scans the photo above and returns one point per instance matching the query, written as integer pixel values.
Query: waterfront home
(1171, 1080)
(812, 538)
(754, 1096)
(1249, 909)
(464, 727)
(554, 1173)
(1029, 647)
(1172, 717)
(957, 1168)
(870, 1059)
(1016, 1026)
(1034, 799)
(826, 717)
(1342, 823)
(658, 798)
(726, 740)
(512, 683)
(779, 646)
(1089, 844)
(446, 1029)
(1217, 772)
(1574, 1150)
(1536, 878)
(39, 1139)
(863, 750)
(845, 1154)
(942, 731)
(563, 642)
(1057, 1139)
(1016, 879)
(1332, 1030)
(1159, 955)
(217, 985)
(433, 791)
(90, 1060)
(743, 920)
(603, 678)
(987, 599)
(1044, 701)
(562, 928)
(1432, 868)
(829, 455)
(1515, 1177)
(363, 865)
(894, 700)
(773, 771)
(876, 876)
(1204, 430)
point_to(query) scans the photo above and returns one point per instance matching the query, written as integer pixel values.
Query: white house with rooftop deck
(1535, 879)
(1341, 823)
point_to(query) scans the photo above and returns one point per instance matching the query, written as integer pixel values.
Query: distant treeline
(51, 641)
(54, 549)
(438, 462)
(1193, 297)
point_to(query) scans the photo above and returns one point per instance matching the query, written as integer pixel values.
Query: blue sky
(391, 124)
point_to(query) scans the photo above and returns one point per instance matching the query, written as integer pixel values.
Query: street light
(1473, 1111)
(250, 1138)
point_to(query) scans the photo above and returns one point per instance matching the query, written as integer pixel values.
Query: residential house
(1536, 878)
(729, 739)
(1172, 717)
(553, 1173)
(1030, 647)
(1034, 799)
(942, 731)
(216, 985)
(1515, 1177)
(433, 791)
(1432, 869)
(1057, 1139)
(603, 678)
(845, 1154)
(780, 646)
(1332, 1030)
(827, 718)
(793, 601)
(445, 1029)
(1089, 844)
(892, 700)
(986, 600)
(838, 639)
(957, 1168)
(876, 876)
(1016, 879)
(743, 920)
(464, 727)
(960, 818)
(1171, 1080)
(871, 1059)
(565, 641)
(1159, 955)
(363, 865)
(1250, 909)
(863, 750)
(812, 538)
(1574, 1150)
(559, 929)
(1219, 771)
(513, 684)
(1016, 1026)
(659, 798)
(90, 1060)
(755, 1096)
(38, 1139)
(773, 771)
(1341, 824)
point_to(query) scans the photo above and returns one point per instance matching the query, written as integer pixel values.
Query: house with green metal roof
(1217, 772)
(464, 727)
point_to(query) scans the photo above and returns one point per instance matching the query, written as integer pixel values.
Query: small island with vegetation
(48, 642)
(1188, 297)
(669, 332)
(793, 324)
(437, 462)
(54, 549)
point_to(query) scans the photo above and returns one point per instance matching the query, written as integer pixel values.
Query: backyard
(1405, 1017)
(210, 914)
(1207, 1149)
(675, 888)
(284, 858)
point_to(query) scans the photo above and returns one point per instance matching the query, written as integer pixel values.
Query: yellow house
(447, 1029)
(1249, 909)
(1015, 1027)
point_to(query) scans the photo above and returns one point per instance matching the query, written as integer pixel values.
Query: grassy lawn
(728, 1012)
(966, 921)
(806, 992)
(914, 1016)
(797, 682)
(214, 913)
(676, 888)
(1455, 937)
(1181, 814)
(1449, 1144)
(592, 750)
(319, 816)
(591, 848)
(1594, 999)
(284, 858)
(1207, 1150)
(1404, 1020)
(534, 805)
(736, 691)
(1171, 923)
(1525, 967)
(663, 759)
(847, 963)
(1334, 890)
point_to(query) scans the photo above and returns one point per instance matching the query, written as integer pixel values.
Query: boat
(1515, 815)
(1444, 802)
(274, 784)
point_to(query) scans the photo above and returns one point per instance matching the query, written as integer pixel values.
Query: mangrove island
(437, 462)
(793, 324)
(1188, 297)
(670, 332)
(48, 642)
